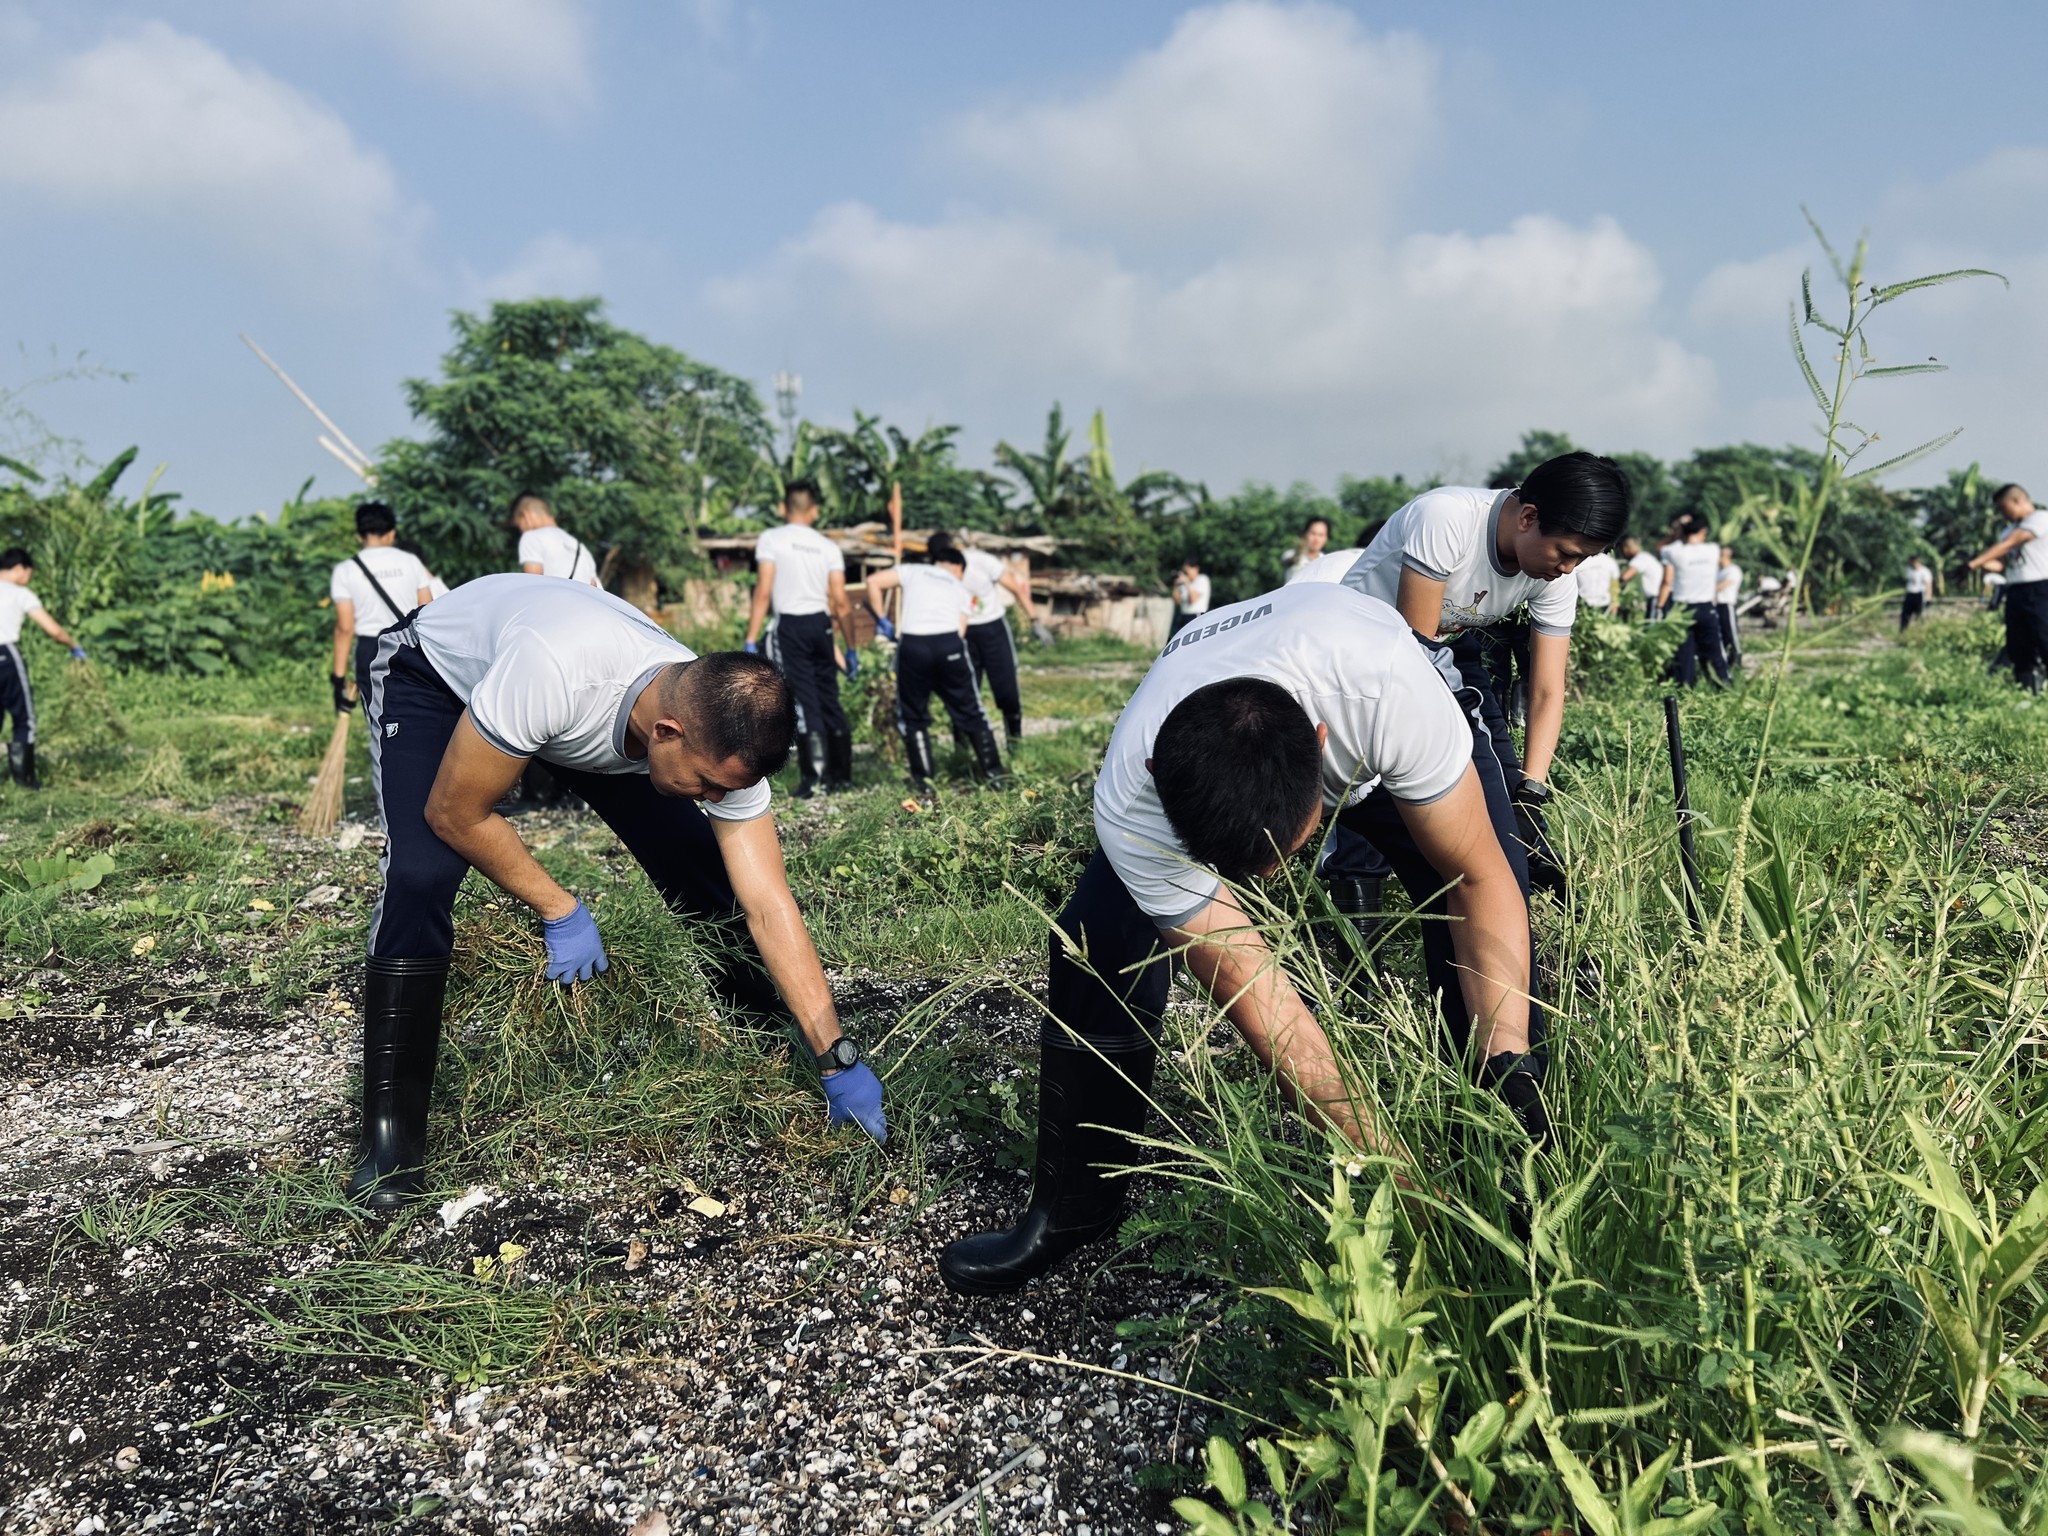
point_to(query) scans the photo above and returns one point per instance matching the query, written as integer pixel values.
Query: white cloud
(530, 54)
(550, 265)
(1293, 328)
(159, 125)
(1267, 118)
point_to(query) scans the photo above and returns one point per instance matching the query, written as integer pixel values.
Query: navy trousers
(16, 701)
(1702, 643)
(801, 648)
(993, 650)
(412, 714)
(928, 664)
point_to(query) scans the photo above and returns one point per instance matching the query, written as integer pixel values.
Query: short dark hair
(373, 518)
(736, 706)
(14, 557)
(943, 551)
(1239, 772)
(2006, 490)
(1580, 493)
(521, 498)
(1689, 525)
(804, 486)
(1313, 519)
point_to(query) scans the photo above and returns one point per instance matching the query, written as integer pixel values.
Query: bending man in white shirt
(2023, 556)
(932, 657)
(672, 750)
(802, 577)
(1247, 729)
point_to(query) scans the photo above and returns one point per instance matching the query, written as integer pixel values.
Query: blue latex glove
(753, 647)
(884, 628)
(78, 653)
(856, 1094)
(852, 665)
(575, 952)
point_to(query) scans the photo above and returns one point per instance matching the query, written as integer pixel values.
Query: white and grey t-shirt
(552, 669)
(1728, 584)
(16, 603)
(400, 574)
(934, 600)
(1920, 579)
(1448, 535)
(804, 560)
(558, 552)
(1353, 665)
(984, 580)
(1197, 590)
(1649, 572)
(1596, 576)
(2030, 561)
(1694, 568)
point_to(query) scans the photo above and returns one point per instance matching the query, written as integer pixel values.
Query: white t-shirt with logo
(1351, 663)
(1197, 589)
(1694, 568)
(1596, 576)
(16, 604)
(984, 580)
(558, 552)
(934, 600)
(401, 575)
(804, 560)
(1920, 579)
(1728, 583)
(2030, 561)
(552, 669)
(1448, 535)
(1649, 572)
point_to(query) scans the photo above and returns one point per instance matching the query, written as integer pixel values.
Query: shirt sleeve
(523, 702)
(30, 603)
(1552, 610)
(741, 804)
(1439, 535)
(530, 552)
(1421, 741)
(1168, 886)
(338, 589)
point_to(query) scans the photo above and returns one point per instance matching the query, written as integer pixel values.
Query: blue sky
(1272, 241)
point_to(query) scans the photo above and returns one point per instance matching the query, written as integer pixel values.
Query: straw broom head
(323, 806)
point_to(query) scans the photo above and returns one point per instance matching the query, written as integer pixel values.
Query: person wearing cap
(546, 548)
(802, 580)
(17, 699)
(371, 590)
(994, 586)
(932, 657)
(1248, 730)
(672, 751)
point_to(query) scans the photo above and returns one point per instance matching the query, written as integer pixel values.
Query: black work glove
(342, 702)
(1545, 871)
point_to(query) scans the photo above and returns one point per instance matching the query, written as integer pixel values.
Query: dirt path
(787, 1364)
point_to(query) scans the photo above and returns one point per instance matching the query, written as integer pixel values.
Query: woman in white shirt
(1315, 539)
(1692, 564)
(931, 657)
(1919, 582)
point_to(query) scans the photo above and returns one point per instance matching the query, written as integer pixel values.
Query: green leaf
(1226, 1472)
(1955, 1329)
(1891, 291)
(1897, 369)
(1905, 458)
(1646, 1492)
(1274, 1463)
(1480, 1433)
(1578, 1482)
(2020, 1247)
(1202, 1519)
(1513, 1314)
(1311, 1307)
(1835, 261)
(1820, 396)
(1946, 1188)
(1696, 1519)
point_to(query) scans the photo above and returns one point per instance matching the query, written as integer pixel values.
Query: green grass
(1726, 1264)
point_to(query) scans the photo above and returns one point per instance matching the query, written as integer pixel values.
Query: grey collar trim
(633, 691)
(1493, 534)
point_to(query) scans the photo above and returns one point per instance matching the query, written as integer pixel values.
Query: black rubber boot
(1013, 728)
(21, 764)
(1358, 900)
(810, 763)
(838, 761)
(917, 747)
(1089, 1105)
(401, 1040)
(988, 758)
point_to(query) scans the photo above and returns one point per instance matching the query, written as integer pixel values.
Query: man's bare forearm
(1546, 724)
(1493, 968)
(494, 851)
(792, 959)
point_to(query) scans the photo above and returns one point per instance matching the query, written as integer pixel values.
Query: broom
(323, 806)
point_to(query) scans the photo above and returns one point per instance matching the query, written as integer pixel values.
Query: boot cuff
(432, 965)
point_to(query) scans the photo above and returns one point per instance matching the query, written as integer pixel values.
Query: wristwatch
(1533, 792)
(839, 1055)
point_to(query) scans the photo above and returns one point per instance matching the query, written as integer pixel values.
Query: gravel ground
(789, 1364)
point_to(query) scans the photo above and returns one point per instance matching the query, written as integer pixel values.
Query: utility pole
(789, 388)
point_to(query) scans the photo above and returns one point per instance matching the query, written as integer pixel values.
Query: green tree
(1241, 539)
(857, 467)
(1536, 446)
(1077, 498)
(1957, 519)
(1365, 503)
(634, 443)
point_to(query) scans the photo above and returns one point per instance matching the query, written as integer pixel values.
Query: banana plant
(1985, 1263)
